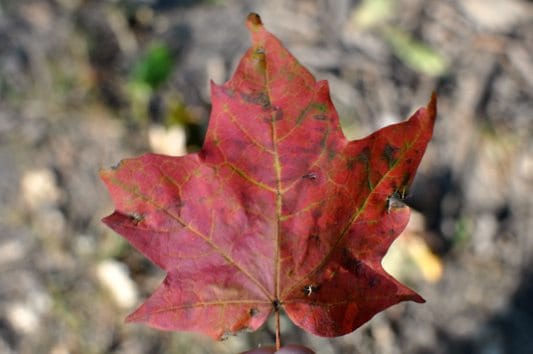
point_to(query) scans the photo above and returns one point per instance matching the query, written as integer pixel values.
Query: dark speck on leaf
(228, 91)
(390, 154)
(136, 218)
(314, 237)
(259, 98)
(331, 154)
(311, 176)
(276, 304)
(364, 156)
(116, 166)
(310, 289)
(372, 282)
(277, 115)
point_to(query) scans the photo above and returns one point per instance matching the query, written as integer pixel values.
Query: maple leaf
(277, 211)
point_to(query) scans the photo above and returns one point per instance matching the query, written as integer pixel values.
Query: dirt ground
(85, 83)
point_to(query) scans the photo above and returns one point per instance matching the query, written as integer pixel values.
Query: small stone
(59, 349)
(216, 70)
(168, 141)
(525, 167)
(40, 189)
(23, 318)
(114, 277)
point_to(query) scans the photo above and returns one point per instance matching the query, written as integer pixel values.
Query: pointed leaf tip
(415, 297)
(253, 21)
(432, 106)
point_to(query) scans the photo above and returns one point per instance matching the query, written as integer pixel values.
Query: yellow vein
(173, 308)
(309, 206)
(235, 121)
(298, 120)
(279, 201)
(250, 179)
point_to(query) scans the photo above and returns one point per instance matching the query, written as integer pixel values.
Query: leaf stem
(278, 333)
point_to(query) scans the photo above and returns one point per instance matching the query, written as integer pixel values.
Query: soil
(73, 100)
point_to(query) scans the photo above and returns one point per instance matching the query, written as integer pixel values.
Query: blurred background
(85, 83)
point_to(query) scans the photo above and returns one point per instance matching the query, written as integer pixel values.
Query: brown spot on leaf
(331, 154)
(389, 153)
(373, 282)
(352, 264)
(277, 115)
(350, 162)
(228, 91)
(254, 19)
(364, 156)
(314, 237)
(260, 98)
(316, 213)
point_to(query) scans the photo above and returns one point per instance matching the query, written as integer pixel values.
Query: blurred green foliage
(415, 54)
(372, 12)
(155, 67)
(375, 14)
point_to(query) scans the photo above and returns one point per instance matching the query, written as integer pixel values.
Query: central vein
(277, 168)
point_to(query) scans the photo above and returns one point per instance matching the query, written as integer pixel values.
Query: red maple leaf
(277, 211)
